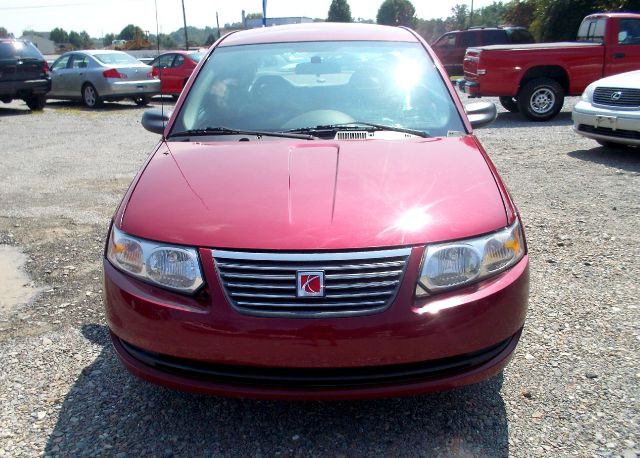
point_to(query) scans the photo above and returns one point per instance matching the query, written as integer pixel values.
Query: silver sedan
(97, 76)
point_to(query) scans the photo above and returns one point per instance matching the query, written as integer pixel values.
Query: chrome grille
(627, 97)
(355, 283)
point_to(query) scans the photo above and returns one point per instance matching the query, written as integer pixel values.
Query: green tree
(396, 12)
(108, 39)
(254, 16)
(59, 35)
(339, 11)
(86, 40)
(130, 32)
(4, 33)
(75, 40)
(520, 12)
(459, 16)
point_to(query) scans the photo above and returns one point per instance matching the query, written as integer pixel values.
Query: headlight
(587, 95)
(172, 267)
(456, 264)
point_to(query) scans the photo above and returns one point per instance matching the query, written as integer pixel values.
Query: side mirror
(481, 114)
(155, 119)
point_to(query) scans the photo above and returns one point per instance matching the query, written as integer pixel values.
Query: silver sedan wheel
(89, 96)
(542, 100)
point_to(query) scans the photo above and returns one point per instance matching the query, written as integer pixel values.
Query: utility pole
(471, 15)
(186, 37)
(218, 24)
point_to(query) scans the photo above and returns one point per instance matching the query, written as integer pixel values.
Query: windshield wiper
(221, 130)
(358, 125)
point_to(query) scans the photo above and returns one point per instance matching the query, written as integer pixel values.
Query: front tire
(509, 104)
(541, 99)
(36, 102)
(90, 96)
(142, 101)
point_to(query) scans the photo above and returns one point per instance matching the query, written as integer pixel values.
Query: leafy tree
(130, 32)
(74, 39)
(85, 39)
(396, 12)
(254, 16)
(211, 39)
(4, 33)
(339, 11)
(59, 35)
(459, 16)
(108, 39)
(490, 16)
(520, 12)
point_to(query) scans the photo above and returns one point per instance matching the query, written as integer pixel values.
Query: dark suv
(451, 46)
(24, 74)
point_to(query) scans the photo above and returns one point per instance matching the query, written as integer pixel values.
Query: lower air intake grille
(350, 283)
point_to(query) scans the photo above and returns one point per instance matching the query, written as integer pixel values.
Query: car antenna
(155, 2)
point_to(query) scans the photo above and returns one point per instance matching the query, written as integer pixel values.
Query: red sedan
(174, 69)
(318, 221)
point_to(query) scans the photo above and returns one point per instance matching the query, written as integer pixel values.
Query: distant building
(254, 23)
(44, 45)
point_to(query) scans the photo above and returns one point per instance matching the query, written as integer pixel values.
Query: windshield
(289, 86)
(116, 58)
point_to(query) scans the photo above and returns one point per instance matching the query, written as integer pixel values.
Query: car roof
(319, 31)
(612, 15)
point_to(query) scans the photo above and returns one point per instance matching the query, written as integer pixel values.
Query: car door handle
(618, 55)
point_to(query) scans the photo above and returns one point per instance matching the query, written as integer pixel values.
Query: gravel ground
(571, 389)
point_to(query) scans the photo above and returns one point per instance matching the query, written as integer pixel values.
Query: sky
(99, 17)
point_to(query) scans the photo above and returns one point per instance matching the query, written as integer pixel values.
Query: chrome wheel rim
(89, 96)
(542, 100)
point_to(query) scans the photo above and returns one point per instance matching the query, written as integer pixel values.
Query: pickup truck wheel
(509, 104)
(36, 102)
(541, 99)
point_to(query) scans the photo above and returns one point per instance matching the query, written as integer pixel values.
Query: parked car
(609, 110)
(24, 73)
(96, 76)
(335, 231)
(534, 79)
(451, 46)
(174, 69)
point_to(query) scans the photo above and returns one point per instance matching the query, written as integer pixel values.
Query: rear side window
(629, 33)
(19, 50)
(592, 30)
(493, 37)
(520, 36)
(468, 39)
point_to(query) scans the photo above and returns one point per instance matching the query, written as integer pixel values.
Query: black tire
(509, 104)
(90, 96)
(142, 101)
(541, 99)
(36, 102)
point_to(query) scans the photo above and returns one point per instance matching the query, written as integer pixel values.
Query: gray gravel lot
(572, 388)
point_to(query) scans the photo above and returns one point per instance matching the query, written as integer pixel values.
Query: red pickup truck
(534, 78)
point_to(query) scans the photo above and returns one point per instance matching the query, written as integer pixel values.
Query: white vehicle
(609, 110)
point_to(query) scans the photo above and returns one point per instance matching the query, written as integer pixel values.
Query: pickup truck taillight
(113, 73)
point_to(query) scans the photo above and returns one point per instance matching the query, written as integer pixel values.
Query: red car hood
(296, 195)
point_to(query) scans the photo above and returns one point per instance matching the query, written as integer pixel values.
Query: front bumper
(611, 125)
(202, 344)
